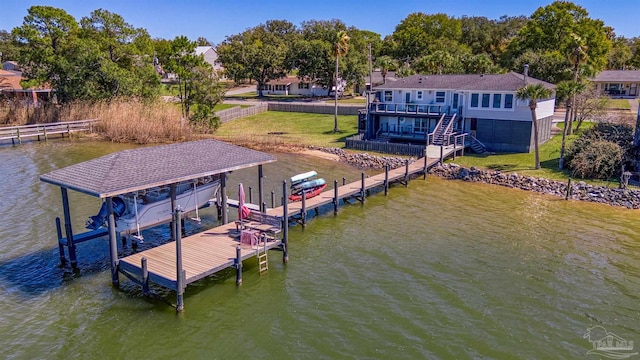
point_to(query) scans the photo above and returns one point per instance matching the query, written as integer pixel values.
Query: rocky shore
(579, 189)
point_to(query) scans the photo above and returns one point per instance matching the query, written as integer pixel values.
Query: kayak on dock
(305, 184)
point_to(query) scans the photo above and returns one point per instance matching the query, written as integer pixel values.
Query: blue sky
(215, 19)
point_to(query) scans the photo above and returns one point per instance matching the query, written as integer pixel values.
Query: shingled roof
(618, 76)
(481, 82)
(137, 169)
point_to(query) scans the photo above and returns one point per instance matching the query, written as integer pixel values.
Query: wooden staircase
(444, 130)
(477, 146)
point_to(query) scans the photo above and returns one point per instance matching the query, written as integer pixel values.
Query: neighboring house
(10, 65)
(10, 88)
(429, 108)
(210, 56)
(376, 79)
(292, 85)
(623, 83)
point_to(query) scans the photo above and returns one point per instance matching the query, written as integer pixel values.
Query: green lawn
(356, 100)
(523, 163)
(290, 128)
(228, 106)
(618, 104)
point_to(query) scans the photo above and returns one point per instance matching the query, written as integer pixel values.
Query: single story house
(483, 106)
(619, 83)
(10, 88)
(292, 85)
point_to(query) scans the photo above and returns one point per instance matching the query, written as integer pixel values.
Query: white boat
(151, 207)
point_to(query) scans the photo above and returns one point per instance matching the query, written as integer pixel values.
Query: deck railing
(356, 142)
(22, 132)
(410, 109)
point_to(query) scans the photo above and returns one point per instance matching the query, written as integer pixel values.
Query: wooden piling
(261, 189)
(454, 149)
(180, 283)
(344, 181)
(273, 200)
(113, 244)
(362, 188)
(238, 265)
(223, 192)
(441, 154)
(406, 173)
(335, 197)
(250, 195)
(63, 260)
(285, 224)
(424, 176)
(386, 180)
(145, 276)
(566, 196)
(303, 213)
(68, 229)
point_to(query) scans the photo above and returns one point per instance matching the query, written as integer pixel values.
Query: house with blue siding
(429, 109)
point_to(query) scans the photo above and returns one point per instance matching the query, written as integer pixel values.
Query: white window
(419, 95)
(439, 96)
(388, 96)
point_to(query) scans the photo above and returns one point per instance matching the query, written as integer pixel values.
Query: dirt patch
(322, 154)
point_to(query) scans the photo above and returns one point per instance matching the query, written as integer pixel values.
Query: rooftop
(618, 76)
(138, 169)
(511, 81)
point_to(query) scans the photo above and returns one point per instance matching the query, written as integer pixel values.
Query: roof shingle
(482, 82)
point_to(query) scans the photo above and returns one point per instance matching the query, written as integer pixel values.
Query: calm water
(441, 269)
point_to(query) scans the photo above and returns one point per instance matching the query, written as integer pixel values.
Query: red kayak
(308, 194)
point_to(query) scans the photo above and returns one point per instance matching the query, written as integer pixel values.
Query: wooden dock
(219, 248)
(43, 131)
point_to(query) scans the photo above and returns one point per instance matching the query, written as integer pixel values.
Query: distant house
(11, 66)
(211, 56)
(430, 108)
(292, 85)
(376, 79)
(622, 83)
(10, 88)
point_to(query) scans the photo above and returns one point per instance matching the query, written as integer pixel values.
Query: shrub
(599, 159)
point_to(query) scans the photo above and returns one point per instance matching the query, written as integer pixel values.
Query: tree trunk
(636, 134)
(573, 102)
(335, 93)
(536, 144)
(564, 135)
(259, 85)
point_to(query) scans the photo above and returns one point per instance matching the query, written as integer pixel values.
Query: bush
(599, 159)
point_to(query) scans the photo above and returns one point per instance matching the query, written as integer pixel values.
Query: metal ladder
(261, 253)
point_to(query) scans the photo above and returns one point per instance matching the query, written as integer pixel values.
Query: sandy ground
(321, 154)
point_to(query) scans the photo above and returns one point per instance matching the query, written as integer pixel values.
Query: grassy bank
(284, 130)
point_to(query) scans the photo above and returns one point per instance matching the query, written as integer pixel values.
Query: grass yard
(288, 129)
(622, 104)
(228, 106)
(356, 100)
(523, 163)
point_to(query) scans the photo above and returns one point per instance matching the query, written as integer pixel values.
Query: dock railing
(22, 132)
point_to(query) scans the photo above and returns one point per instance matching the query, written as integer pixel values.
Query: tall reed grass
(126, 120)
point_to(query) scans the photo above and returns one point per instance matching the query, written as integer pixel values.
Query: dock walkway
(39, 131)
(216, 249)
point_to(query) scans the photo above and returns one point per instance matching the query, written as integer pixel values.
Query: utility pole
(368, 93)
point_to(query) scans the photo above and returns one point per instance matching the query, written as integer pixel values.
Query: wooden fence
(356, 142)
(315, 108)
(240, 112)
(23, 132)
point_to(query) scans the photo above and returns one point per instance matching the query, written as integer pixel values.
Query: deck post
(172, 197)
(273, 200)
(45, 133)
(261, 189)
(425, 165)
(68, 230)
(454, 149)
(145, 276)
(113, 244)
(344, 181)
(304, 209)
(178, 237)
(441, 154)
(386, 180)
(250, 195)
(406, 173)
(566, 196)
(223, 192)
(285, 224)
(362, 189)
(335, 197)
(238, 265)
(19, 139)
(63, 260)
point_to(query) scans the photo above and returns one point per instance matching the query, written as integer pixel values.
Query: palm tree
(384, 63)
(577, 54)
(566, 91)
(341, 49)
(534, 92)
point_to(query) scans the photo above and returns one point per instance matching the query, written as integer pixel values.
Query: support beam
(223, 196)
(238, 264)
(261, 189)
(285, 223)
(63, 259)
(113, 244)
(180, 284)
(68, 229)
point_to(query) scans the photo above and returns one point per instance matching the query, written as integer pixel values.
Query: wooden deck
(214, 250)
(39, 131)
(203, 254)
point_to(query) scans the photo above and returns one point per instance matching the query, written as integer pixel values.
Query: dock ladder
(261, 253)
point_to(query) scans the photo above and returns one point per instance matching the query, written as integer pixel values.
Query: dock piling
(425, 165)
(303, 214)
(386, 180)
(68, 229)
(63, 260)
(113, 244)
(238, 265)
(273, 200)
(179, 270)
(285, 224)
(263, 207)
(250, 195)
(566, 196)
(145, 277)
(441, 154)
(335, 197)
(362, 188)
(406, 173)
(344, 181)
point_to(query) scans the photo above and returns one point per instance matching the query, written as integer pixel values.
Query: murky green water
(441, 269)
